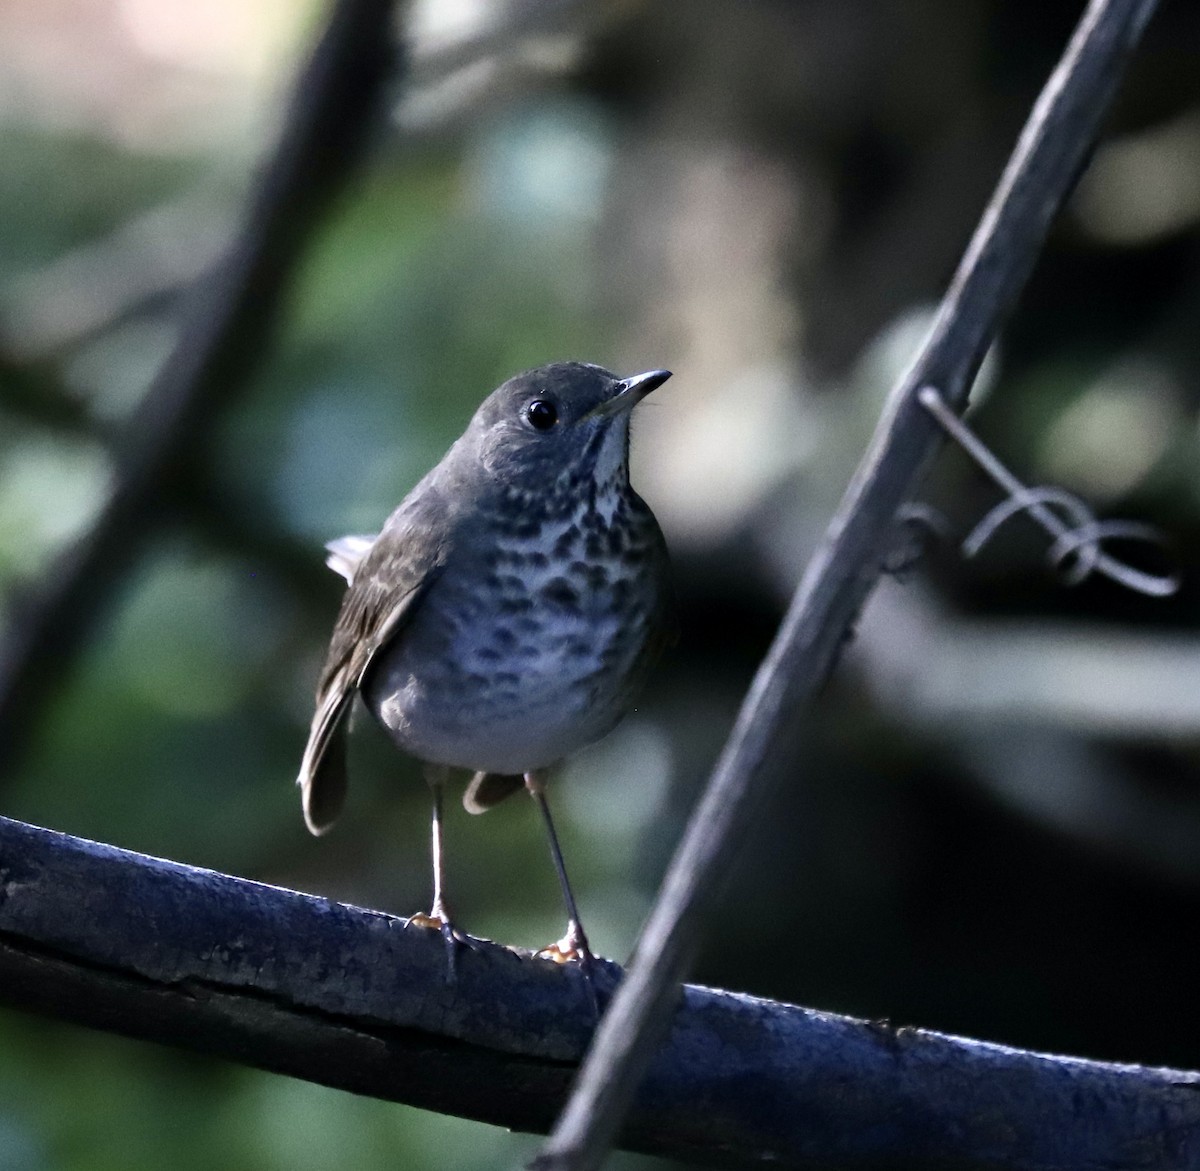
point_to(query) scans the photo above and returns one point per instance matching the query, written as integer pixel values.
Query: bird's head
(566, 422)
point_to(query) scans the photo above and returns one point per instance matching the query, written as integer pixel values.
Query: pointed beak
(629, 392)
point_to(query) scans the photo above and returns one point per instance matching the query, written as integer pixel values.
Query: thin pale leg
(573, 945)
(439, 916)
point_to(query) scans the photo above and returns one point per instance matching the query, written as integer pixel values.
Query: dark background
(989, 823)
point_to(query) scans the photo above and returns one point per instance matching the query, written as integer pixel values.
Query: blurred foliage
(766, 200)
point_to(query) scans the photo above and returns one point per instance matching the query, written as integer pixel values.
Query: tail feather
(322, 778)
(488, 789)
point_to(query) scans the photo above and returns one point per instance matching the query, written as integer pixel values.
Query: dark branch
(226, 523)
(350, 998)
(33, 395)
(333, 109)
(1036, 181)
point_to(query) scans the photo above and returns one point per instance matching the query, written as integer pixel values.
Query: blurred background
(990, 821)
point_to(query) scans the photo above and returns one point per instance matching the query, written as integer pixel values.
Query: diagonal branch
(334, 104)
(1039, 175)
(349, 998)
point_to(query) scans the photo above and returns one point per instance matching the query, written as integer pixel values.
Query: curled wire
(1078, 537)
(1091, 535)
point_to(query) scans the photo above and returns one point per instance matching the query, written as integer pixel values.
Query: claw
(565, 952)
(451, 935)
(573, 948)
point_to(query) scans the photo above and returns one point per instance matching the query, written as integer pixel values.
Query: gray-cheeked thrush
(509, 611)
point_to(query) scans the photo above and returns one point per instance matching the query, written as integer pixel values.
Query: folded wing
(387, 576)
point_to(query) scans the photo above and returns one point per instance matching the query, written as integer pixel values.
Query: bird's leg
(574, 944)
(439, 916)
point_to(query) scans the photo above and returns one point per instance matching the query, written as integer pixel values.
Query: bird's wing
(386, 586)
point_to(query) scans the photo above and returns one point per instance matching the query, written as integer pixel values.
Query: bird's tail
(322, 778)
(488, 789)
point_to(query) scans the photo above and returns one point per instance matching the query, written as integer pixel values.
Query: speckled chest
(530, 643)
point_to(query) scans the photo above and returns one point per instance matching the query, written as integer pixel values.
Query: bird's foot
(438, 920)
(442, 924)
(573, 948)
(566, 952)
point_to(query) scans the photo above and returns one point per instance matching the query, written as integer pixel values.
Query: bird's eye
(542, 414)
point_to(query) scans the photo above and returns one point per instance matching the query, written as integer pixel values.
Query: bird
(506, 615)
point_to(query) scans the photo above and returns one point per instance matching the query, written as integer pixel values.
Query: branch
(31, 394)
(1038, 177)
(349, 998)
(333, 106)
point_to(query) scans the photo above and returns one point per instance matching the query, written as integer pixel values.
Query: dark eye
(542, 414)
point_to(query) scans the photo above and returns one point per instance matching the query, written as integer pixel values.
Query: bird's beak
(629, 392)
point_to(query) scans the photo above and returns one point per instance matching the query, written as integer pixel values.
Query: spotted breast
(530, 644)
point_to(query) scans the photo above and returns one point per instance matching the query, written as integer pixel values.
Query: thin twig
(350, 998)
(1040, 173)
(336, 100)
